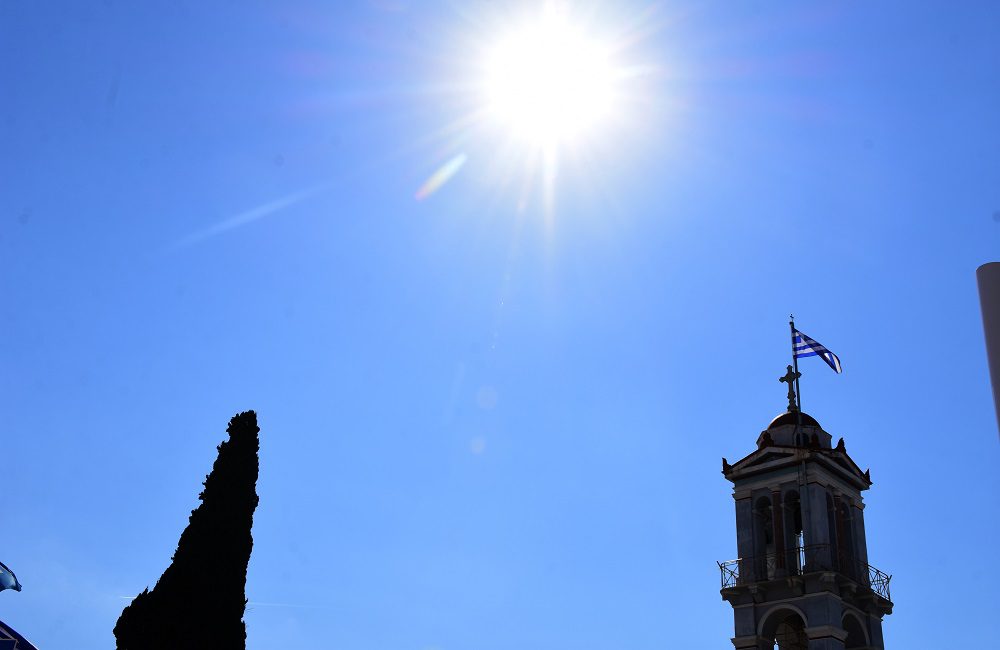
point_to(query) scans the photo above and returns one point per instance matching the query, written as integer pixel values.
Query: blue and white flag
(803, 346)
(8, 580)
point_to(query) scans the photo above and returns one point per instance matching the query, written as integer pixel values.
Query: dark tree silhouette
(199, 600)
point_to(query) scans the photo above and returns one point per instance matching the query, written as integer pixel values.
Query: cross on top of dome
(789, 379)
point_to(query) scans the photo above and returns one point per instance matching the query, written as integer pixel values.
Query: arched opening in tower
(785, 630)
(791, 634)
(856, 637)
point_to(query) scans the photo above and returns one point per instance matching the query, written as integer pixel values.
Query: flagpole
(795, 367)
(804, 496)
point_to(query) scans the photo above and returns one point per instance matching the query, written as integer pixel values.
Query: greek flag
(7, 579)
(803, 346)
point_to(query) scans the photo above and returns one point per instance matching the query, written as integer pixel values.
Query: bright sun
(549, 81)
(550, 96)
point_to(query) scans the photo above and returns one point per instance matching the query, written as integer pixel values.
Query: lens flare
(440, 177)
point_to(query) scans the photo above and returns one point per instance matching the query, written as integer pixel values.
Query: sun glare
(547, 95)
(549, 81)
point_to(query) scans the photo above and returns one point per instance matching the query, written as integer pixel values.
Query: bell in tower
(802, 580)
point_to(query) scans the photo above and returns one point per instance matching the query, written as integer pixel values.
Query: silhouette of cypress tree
(199, 600)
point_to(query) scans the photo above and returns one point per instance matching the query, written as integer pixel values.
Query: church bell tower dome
(793, 417)
(795, 429)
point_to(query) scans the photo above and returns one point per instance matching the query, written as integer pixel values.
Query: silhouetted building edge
(8, 634)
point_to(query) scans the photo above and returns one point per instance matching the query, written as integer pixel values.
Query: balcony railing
(800, 561)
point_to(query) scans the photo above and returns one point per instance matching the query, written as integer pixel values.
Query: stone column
(875, 630)
(842, 553)
(859, 532)
(744, 534)
(818, 532)
(778, 521)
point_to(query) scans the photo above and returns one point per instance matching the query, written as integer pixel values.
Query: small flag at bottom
(7, 579)
(803, 346)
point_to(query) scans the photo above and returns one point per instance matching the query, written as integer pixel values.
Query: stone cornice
(787, 457)
(826, 632)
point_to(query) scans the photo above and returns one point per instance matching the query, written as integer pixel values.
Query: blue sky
(488, 421)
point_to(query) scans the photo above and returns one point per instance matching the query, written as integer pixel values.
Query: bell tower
(802, 580)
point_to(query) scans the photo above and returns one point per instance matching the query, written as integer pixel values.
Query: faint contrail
(254, 603)
(251, 215)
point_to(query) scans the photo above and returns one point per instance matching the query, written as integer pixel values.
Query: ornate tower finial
(789, 379)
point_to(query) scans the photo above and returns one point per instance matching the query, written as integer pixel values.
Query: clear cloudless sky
(489, 420)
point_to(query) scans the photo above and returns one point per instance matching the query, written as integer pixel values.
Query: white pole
(988, 276)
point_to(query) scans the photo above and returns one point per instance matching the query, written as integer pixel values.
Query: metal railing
(802, 560)
(877, 581)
